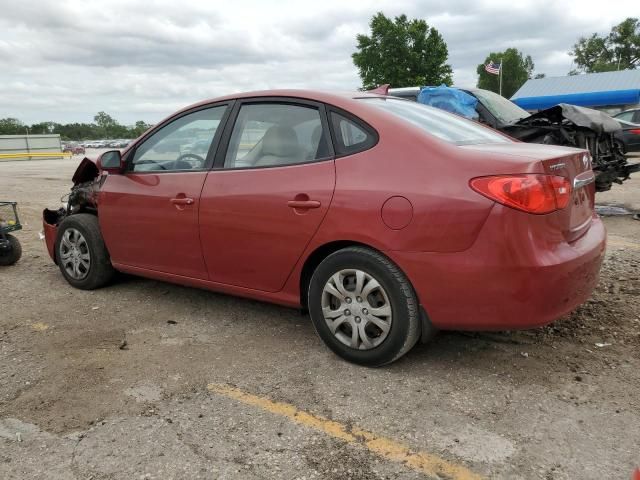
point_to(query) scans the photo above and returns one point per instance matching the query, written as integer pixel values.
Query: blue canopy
(587, 99)
(450, 99)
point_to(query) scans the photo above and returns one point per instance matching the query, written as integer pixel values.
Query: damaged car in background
(563, 124)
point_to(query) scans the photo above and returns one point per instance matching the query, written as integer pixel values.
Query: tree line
(103, 127)
(410, 53)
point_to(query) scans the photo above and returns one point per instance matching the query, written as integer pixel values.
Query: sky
(66, 60)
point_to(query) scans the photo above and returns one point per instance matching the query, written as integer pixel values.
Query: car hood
(596, 120)
(86, 171)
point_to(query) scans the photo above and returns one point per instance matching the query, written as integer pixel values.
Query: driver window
(180, 145)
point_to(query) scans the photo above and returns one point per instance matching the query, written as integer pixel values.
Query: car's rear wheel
(363, 307)
(81, 254)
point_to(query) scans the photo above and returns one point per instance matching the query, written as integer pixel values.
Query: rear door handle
(303, 204)
(182, 201)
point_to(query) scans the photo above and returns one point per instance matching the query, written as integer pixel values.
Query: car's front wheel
(81, 254)
(363, 307)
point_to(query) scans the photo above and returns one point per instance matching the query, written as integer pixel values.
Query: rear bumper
(508, 279)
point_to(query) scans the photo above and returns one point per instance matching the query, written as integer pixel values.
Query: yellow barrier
(35, 154)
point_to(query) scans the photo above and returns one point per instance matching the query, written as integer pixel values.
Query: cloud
(65, 60)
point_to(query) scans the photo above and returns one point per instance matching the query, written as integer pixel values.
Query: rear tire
(14, 253)
(81, 254)
(363, 307)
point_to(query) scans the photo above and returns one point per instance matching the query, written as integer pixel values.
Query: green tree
(12, 126)
(106, 124)
(401, 52)
(139, 128)
(619, 50)
(516, 69)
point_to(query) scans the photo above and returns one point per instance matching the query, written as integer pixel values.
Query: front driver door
(149, 214)
(267, 196)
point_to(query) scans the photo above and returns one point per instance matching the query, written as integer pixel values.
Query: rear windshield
(444, 125)
(503, 109)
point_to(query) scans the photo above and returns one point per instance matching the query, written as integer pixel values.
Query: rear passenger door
(268, 192)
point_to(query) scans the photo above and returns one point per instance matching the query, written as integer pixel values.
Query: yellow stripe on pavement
(34, 154)
(425, 463)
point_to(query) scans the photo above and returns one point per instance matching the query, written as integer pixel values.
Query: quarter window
(180, 145)
(272, 134)
(350, 136)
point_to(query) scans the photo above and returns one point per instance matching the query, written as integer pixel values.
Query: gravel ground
(113, 383)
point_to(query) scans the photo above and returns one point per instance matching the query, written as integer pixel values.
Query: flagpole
(501, 77)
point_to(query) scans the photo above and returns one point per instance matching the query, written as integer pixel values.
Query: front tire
(81, 254)
(363, 307)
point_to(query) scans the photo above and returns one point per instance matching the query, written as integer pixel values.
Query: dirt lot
(144, 380)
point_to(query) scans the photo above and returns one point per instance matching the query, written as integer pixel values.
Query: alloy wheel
(356, 309)
(74, 254)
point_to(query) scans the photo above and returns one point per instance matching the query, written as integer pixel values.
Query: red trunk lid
(574, 164)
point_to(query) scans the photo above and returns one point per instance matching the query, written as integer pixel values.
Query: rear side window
(351, 136)
(444, 125)
(276, 134)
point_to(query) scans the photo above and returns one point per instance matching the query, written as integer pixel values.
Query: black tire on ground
(13, 255)
(405, 325)
(100, 270)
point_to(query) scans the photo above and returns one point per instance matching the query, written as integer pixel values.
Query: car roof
(347, 100)
(316, 95)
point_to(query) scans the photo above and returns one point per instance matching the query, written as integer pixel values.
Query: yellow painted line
(622, 243)
(425, 463)
(39, 326)
(34, 154)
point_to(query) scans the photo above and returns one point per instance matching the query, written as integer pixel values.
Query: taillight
(635, 131)
(531, 193)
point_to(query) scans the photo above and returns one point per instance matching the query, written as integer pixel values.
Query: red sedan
(384, 218)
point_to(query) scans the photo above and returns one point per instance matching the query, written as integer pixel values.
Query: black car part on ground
(579, 127)
(10, 248)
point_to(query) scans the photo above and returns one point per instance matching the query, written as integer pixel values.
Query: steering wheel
(196, 161)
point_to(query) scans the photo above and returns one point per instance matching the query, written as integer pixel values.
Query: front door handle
(182, 201)
(303, 204)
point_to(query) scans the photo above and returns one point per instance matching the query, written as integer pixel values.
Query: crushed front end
(81, 199)
(579, 127)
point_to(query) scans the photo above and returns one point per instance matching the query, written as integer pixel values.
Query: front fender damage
(82, 198)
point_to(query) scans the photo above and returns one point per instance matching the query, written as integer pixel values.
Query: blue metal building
(610, 91)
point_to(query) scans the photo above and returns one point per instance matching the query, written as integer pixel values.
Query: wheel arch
(428, 331)
(316, 257)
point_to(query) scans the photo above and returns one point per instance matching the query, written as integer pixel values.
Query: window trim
(337, 137)
(213, 148)
(218, 163)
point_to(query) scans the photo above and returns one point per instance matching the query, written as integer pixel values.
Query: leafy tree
(139, 128)
(12, 126)
(401, 52)
(516, 69)
(619, 50)
(106, 124)
(105, 127)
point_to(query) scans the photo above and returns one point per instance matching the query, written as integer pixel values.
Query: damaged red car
(385, 219)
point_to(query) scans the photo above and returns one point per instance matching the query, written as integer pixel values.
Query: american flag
(493, 68)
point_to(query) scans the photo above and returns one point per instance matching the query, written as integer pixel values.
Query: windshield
(444, 125)
(504, 110)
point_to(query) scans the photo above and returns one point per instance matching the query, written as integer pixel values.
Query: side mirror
(111, 162)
